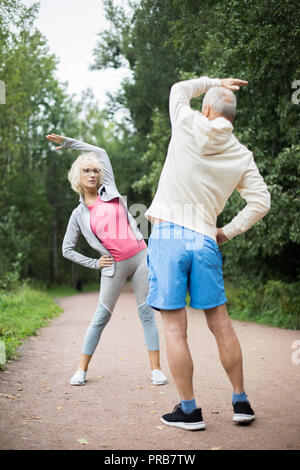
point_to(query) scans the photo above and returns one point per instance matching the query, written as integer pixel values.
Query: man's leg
(231, 358)
(229, 348)
(178, 352)
(186, 415)
(169, 265)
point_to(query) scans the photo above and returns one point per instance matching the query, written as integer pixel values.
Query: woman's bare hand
(105, 261)
(58, 139)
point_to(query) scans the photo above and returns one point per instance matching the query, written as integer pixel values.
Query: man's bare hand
(233, 84)
(221, 237)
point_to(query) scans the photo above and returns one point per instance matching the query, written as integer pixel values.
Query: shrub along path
(119, 408)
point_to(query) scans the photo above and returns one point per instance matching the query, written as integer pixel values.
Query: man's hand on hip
(221, 237)
(233, 84)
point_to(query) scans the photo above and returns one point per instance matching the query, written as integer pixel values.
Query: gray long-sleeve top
(79, 223)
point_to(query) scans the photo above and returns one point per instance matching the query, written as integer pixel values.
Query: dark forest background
(161, 42)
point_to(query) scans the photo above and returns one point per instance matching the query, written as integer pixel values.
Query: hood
(218, 133)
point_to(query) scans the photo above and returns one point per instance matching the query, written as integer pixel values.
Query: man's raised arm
(182, 92)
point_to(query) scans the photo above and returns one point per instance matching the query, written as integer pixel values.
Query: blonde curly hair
(80, 162)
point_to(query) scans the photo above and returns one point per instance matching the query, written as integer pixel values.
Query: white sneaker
(78, 378)
(158, 377)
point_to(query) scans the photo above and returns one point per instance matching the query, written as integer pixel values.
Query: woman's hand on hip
(58, 139)
(105, 261)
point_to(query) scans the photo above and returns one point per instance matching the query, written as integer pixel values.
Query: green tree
(36, 198)
(163, 42)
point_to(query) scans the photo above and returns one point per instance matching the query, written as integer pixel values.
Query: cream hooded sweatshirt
(205, 163)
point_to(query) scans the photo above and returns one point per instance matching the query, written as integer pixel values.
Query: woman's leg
(84, 362)
(146, 313)
(110, 290)
(93, 335)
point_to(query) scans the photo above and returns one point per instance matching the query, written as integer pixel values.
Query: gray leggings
(136, 269)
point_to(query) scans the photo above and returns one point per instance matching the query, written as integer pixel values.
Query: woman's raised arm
(68, 143)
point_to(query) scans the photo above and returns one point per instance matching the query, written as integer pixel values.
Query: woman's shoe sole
(77, 383)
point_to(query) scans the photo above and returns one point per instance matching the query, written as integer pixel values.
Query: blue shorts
(180, 259)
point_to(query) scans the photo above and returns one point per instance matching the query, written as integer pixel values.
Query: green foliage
(283, 181)
(36, 198)
(276, 303)
(22, 313)
(271, 248)
(140, 41)
(33, 96)
(163, 42)
(65, 291)
(258, 41)
(10, 280)
(154, 157)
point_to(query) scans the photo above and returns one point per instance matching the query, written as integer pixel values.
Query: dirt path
(119, 408)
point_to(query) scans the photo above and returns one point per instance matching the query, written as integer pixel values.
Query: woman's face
(89, 176)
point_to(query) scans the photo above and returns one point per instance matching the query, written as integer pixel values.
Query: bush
(274, 303)
(22, 313)
(10, 279)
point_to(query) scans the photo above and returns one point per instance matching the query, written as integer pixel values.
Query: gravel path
(119, 408)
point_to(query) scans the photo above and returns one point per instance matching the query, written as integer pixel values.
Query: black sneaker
(243, 412)
(191, 422)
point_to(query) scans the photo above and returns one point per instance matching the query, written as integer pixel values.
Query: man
(204, 164)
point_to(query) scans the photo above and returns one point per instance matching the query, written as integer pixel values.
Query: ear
(206, 110)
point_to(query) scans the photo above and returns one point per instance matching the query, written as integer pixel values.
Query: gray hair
(222, 101)
(74, 173)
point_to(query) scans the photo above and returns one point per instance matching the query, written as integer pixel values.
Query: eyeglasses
(87, 171)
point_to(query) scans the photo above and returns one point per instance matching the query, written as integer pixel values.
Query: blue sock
(188, 406)
(239, 397)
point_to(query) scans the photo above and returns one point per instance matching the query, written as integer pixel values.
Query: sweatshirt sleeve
(108, 174)
(182, 92)
(72, 234)
(254, 190)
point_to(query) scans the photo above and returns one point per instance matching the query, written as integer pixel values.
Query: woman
(103, 219)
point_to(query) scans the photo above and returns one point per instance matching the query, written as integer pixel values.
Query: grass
(274, 304)
(24, 311)
(29, 308)
(65, 291)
